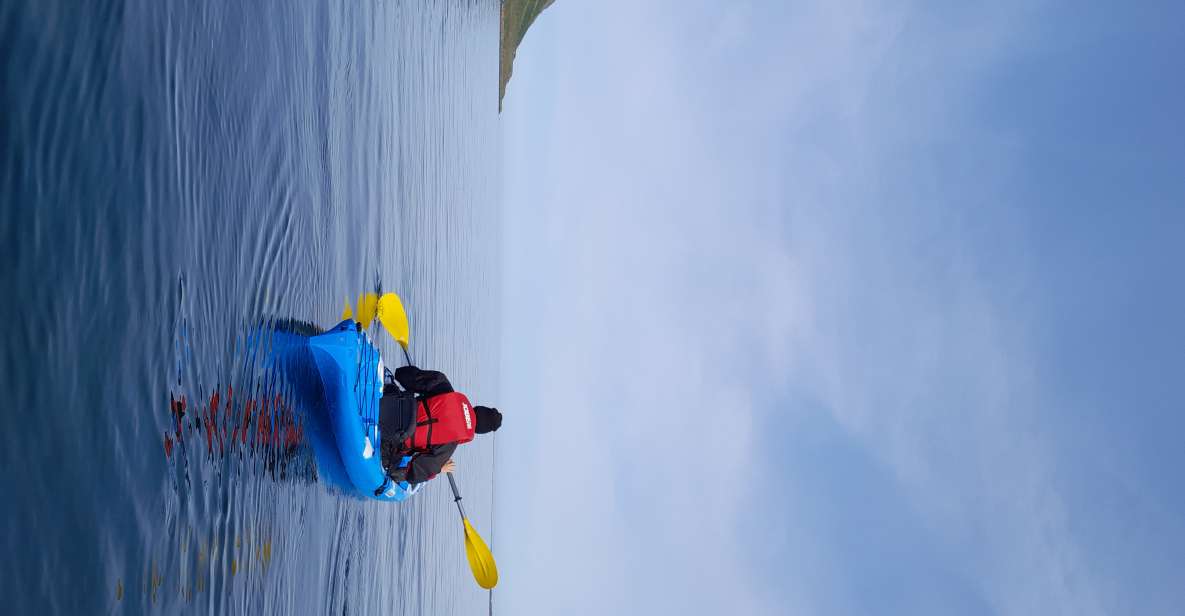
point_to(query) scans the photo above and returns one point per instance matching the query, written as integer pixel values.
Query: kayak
(351, 370)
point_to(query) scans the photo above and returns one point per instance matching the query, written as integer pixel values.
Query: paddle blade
(393, 318)
(367, 308)
(348, 311)
(481, 561)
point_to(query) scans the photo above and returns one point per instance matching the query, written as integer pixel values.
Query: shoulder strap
(427, 422)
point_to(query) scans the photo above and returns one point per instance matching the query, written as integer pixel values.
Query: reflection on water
(264, 428)
(261, 431)
(225, 439)
(250, 554)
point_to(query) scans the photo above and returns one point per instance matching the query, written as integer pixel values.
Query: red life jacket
(442, 419)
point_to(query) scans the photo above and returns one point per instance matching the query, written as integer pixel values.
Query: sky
(843, 308)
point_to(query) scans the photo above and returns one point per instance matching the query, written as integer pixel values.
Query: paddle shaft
(481, 561)
(451, 482)
(456, 496)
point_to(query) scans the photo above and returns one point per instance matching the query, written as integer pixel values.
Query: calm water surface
(173, 174)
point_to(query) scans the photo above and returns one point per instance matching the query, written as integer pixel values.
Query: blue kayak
(351, 370)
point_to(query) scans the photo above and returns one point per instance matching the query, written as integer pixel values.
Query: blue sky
(844, 308)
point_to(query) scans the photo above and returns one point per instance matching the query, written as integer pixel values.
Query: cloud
(726, 218)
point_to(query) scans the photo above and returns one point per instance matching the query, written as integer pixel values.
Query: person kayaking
(426, 420)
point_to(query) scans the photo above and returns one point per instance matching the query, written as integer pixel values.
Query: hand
(448, 467)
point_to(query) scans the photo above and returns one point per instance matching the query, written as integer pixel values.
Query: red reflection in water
(227, 424)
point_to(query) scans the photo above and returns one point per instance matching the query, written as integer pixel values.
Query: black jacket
(425, 384)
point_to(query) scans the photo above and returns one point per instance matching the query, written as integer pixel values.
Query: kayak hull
(351, 371)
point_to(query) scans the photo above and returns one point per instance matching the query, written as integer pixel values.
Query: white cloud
(711, 215)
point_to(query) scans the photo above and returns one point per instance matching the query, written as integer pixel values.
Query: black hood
(488, 419)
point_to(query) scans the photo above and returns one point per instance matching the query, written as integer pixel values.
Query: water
(172, 174)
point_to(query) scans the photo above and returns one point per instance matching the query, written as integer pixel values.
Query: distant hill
(517, 16)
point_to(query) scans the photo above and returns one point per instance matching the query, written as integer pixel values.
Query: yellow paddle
(393, 318)
(367, 306)
(481, 561)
